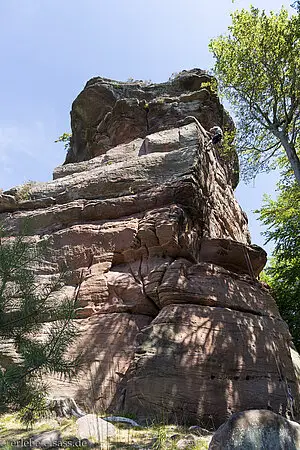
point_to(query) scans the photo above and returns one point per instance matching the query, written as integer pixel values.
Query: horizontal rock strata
(172, 315)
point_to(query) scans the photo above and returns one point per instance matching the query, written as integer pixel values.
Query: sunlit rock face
(108, 113)
(174, 321)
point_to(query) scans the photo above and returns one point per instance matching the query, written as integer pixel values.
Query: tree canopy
(258, 66)
(282, 216)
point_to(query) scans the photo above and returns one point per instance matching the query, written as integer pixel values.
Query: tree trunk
(64, 407)
(291, 154)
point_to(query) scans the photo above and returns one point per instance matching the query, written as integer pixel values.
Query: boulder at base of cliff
(257, 429)
(92, 426)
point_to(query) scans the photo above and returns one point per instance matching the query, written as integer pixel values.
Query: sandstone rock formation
(174, 322)
(251, 430)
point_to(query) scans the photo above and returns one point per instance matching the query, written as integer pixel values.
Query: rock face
(108, 113)
(174, 321)
(251, 430)
(217, 354)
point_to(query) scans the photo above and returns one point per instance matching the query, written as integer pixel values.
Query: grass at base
(157, 437)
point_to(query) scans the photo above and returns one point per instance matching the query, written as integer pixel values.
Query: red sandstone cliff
(174, 322)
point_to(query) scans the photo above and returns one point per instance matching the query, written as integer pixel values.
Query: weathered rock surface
(211, 285)
(257, 429)
(108, 113)
(208, 362)
(106, 344)
(233, 256)
(172, 315)
(92, 426)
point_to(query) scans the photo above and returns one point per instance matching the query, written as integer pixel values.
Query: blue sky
(50, 48)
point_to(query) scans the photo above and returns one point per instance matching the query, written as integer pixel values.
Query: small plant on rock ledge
(210, 85)
(23, 193)
(66, 138)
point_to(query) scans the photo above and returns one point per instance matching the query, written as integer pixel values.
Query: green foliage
(228, 149)
(257, 66)
(161, 437)
(211, 85)
(158, 436)
(282, 216)
(26, 303)
(201, 445)
(35, 410)
(66, 138)
(23, 192)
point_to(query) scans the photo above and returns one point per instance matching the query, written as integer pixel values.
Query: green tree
(257, 66)
(282, 216)
(35, 324)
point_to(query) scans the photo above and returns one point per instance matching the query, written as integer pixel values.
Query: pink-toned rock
(233, 255)
(210, 285)
(106, 346)
(206, 362)
(144, 210)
